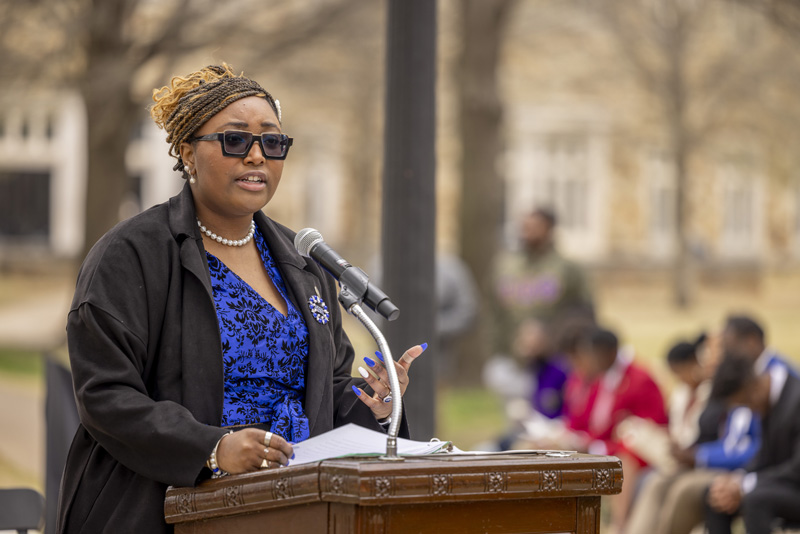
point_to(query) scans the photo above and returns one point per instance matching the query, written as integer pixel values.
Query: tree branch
(629, 43)
(783, 13)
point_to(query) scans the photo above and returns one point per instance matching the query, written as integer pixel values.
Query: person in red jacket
(605, 388)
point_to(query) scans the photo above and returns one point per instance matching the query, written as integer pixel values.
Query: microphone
(310, 244)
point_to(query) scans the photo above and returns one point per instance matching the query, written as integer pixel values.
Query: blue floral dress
(264, 352)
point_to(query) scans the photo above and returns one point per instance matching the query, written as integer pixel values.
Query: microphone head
(305, 240)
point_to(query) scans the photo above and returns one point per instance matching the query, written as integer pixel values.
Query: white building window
(742, 209)
(660, 184)
(558, 158)
(561, 181)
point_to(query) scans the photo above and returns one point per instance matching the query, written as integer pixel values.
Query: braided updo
(187, 103)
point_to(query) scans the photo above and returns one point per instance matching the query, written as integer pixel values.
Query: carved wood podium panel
(507, 493)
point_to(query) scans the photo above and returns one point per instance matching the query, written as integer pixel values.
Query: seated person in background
(546, 369)
(770, 488)
(725, 440)
(604, 388)
(728, 439)
(690, 396)
(746, 337)
(671, 500)
(532, 383)
(653, 442)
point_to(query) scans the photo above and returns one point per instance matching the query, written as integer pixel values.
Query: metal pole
(409, 198)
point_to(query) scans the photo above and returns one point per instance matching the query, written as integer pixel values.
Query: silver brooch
(319, 309)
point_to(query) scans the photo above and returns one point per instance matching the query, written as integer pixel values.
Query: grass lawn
(21, 364)
(468, 417)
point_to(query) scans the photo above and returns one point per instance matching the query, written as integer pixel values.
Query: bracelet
(211, 463)
(385, 422)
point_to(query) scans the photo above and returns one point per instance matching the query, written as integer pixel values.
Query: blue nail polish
(356, 390)
(293, 455)
(379, 355)
(369, 361)
(424, 346)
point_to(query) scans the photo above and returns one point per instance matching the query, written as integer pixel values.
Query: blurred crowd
(723, 443)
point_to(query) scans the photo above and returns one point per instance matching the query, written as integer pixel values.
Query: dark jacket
(146, 357)
(778, 459)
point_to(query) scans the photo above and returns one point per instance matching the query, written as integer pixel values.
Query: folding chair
(21, 509)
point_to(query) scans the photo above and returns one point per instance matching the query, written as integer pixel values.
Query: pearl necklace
(230, 242)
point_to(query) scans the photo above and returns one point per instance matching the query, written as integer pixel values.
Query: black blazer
(146, 357)
(778, 459)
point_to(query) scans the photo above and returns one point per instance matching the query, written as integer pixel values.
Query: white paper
(352, 439)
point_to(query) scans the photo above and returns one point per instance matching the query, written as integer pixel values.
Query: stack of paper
(354, 440)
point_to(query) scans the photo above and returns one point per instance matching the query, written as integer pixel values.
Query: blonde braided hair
(187, 103)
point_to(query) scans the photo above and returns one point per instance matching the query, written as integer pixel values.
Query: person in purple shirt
(546, 369)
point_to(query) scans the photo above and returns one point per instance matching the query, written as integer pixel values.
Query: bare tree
(483, 25)
(784, 13)
(107, 43)
(696, 90)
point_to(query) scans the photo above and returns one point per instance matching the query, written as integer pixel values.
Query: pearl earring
(192, 179)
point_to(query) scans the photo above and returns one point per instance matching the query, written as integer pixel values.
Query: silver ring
(267, 438)
(387, 398)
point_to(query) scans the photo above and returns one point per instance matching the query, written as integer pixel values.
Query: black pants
(761, 508)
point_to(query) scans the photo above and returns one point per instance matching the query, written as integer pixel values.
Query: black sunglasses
(238, 144)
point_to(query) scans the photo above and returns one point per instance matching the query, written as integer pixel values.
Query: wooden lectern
(510, 493)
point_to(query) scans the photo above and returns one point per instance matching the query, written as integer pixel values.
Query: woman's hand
(381, 401)
(246, 450)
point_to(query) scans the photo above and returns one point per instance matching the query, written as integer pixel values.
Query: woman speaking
(201, 342)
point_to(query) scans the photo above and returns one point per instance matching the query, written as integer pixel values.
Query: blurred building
(43, 175)
(587, 134)
(582, 135)
(42, 168)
